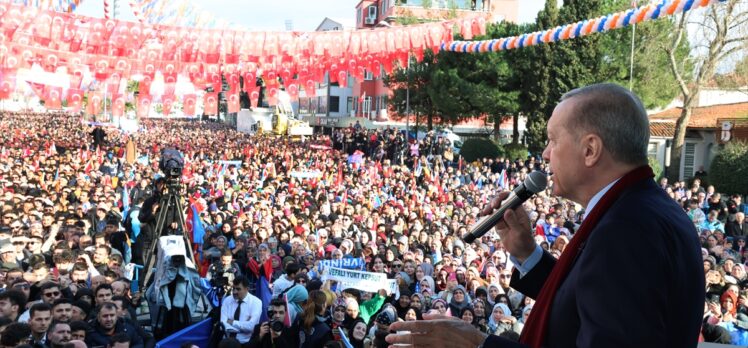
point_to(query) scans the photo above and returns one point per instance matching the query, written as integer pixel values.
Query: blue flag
(198, 335)
(198, 230)
(345, 339)
(125, 202)
(264, 293)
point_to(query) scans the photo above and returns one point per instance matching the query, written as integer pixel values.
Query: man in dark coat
(632, 276)
(107, 324)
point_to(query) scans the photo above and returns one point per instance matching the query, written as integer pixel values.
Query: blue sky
(306, 15)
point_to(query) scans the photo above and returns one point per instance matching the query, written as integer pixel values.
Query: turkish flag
(93, 107)
(75, 99)
(7, 83)
(167, 101)
(233, 102)
(144, 105)
(210, 103)
(144, 87)
(188, 104)
(118, 105)
(53, 97)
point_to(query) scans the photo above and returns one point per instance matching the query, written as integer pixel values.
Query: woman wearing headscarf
(296, 296)
(468, 315)
(501, 320)
(459, 300)
(479, 310)
(402, 303)
(427, 283)
(417, 301)
(494, 291)
(357, 333)
(440, 306)
(413, 314)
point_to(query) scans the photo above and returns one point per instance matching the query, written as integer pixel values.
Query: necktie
(238, 310)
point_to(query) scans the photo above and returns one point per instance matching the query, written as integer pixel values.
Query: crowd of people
(276, 209)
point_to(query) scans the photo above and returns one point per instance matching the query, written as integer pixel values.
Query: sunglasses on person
(397, 265)
(272, 312)
(52, 294)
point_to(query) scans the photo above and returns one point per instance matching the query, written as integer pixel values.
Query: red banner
(118, 105)
(210, 103)
(144, 106)
(188, 104)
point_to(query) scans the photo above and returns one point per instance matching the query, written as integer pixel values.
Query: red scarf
(536, 327)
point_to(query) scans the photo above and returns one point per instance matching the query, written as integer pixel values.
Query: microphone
(534, 183)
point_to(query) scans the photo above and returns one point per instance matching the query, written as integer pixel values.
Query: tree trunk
(515, 128)
(497, 128)
(431, 121)
(678, 140)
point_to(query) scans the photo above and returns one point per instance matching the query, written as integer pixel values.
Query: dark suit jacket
(638, 281)
(733, 229)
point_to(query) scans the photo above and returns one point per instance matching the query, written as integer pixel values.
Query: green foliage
(456, 86)
(477, 148)
(535, 134)
(514, 151)
(730, 167)
(656, 167)
(549, 71)
(426, 4)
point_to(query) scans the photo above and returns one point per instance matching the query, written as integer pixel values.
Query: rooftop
(702, 117)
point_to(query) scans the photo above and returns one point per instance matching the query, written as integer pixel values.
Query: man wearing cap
(8, 253)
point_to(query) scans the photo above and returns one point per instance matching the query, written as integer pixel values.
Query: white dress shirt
(249, 315)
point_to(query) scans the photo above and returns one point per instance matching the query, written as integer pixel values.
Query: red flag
(144, 87)
(93, 107)
(118, 105)
(210, 102)
(188, 104)
(7, 84)
(167, 102)
(233, 103)
(75, 99)
(144, 105)
(53, 97)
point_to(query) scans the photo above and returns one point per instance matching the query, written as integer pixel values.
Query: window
(349, 105)
(367, 106)
(358, 16)
(688, 160)
(368, 75)
(383, 10)
(334, 103)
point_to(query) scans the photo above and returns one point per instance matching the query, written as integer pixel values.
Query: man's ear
(592, 147)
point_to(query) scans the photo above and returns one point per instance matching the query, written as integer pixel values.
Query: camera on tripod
(171, 163)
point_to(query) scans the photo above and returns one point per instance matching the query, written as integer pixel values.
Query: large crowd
(77, 208)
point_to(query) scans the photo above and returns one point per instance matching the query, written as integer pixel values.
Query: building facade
(370, 94)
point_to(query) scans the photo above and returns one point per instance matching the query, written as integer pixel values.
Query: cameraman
(225, 268)
(273, 333)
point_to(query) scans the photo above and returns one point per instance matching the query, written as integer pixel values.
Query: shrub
(514, 151)
(729, 169)
(477, 148)
(656, 167)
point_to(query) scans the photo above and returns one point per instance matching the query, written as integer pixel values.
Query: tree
(653, 83)
(723, 34)
(410, 86)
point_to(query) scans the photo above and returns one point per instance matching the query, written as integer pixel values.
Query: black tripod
(170, 214)
(171, 211)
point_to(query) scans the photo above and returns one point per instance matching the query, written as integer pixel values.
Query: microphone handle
(513, 201)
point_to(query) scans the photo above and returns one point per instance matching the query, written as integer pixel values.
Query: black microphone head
(536, 181)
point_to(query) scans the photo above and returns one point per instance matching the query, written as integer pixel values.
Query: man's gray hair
(616, 115)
